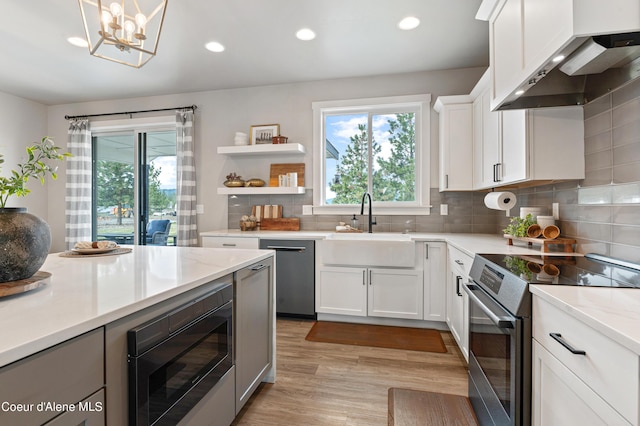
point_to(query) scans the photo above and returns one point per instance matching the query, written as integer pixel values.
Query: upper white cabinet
(525, 35)
(516, 146)
(455, 127)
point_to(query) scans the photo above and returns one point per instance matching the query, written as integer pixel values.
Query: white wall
(23, 122)
(222, 113)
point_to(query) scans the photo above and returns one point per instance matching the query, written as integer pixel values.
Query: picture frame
(262, 133)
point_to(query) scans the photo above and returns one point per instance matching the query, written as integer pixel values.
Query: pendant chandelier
(123, 31)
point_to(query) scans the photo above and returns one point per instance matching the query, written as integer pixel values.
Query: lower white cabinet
(435, 281)
(457, 300)
(254, 315)
(580, 375)
(377, 292)
(231, 242)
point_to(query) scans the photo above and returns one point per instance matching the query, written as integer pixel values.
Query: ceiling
(354, 38)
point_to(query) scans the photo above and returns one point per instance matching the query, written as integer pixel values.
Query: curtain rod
(73, 117)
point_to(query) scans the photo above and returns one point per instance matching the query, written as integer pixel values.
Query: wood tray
(282, 224)
(38, 280)
(283, 169)
(544, 242)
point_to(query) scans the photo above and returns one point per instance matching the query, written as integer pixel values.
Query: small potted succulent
(25, 239)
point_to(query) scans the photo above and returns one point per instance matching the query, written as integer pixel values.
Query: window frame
(393, 104)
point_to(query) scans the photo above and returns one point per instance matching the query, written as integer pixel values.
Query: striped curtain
(186, 179)
(78, 195)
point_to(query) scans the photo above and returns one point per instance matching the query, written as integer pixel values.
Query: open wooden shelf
(251, 190)
(263, 149)
(544, 242)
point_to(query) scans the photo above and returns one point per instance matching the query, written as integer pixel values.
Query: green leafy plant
(36, 166)
(518, 227)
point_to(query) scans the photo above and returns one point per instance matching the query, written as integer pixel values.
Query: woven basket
(248, 225)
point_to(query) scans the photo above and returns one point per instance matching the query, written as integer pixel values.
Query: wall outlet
(555, 207)
(444, 209)
(199, 208)
(307, 210)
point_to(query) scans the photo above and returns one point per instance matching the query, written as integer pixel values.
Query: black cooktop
(590, 271)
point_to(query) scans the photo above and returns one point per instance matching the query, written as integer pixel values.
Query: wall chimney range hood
(593, 67)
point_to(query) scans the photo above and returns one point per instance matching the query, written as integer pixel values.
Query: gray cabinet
(254, 323)
(65, 374)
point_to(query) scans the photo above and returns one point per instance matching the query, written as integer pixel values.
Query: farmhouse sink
(377, 250)
(380, 236)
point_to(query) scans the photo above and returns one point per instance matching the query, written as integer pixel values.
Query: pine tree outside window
(380, 146)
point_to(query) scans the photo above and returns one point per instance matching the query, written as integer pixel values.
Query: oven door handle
(501, 320)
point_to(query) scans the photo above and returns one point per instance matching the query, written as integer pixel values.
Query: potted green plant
(25, 239)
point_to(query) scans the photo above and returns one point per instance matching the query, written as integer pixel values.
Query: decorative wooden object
(280, 224)
(544, 242)
(282, 169)
(37, 280)
(267, 211)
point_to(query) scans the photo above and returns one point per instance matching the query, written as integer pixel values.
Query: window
(380, 146)
(134, 182)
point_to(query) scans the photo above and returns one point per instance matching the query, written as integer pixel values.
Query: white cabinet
(459, 265)
(517, 146)
(435, 281)
(254, 316)
(580, 376)
(525, 35)
(456, 137)
(375, 292)
(231, 242)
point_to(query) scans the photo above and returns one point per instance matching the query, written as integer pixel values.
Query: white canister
(533, 211)
(545, 221)
(293, 179)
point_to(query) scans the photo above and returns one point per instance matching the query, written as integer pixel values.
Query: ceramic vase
(25, 240)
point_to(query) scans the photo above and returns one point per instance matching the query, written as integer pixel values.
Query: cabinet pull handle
(499, 172)
(459, 262)
(370, 280)
(446, 181)
(426, 251)
(364, 277)
(558, 338)
(458, 280)
(228, 245)
(258, 267)
(494, 173)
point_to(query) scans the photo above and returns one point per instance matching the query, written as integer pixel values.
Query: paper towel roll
(500, 200)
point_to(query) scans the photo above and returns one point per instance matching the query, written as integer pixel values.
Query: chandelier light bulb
(129, 28)
(106, 17)
(141, 20)
(116, 9)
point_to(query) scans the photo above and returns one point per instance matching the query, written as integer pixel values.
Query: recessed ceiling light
(519, 92)
(78, 41)
(305, 34)
(558, 58)
(409, 23)
(214, 46)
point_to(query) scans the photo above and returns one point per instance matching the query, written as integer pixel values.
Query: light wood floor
(331, 384)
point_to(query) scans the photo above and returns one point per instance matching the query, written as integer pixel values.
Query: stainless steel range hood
(597, 66)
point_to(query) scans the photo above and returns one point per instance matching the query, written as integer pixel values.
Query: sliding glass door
(134, 187)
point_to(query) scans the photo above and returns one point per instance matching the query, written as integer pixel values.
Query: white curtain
(186, 179)
(78, 193)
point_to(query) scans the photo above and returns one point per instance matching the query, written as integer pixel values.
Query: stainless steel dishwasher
(295, 277)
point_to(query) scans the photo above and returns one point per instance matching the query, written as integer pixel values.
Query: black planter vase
(25, 240)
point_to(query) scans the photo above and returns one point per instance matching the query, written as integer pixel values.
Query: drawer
(231, 242)
(460, 258)
(608, 368)
(65, 373)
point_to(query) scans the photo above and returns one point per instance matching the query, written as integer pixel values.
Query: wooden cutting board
(281, 224)
(283, 169)
(269, 211)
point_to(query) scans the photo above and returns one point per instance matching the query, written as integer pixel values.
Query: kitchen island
(88, 299)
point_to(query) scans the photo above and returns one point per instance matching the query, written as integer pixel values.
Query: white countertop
(86, 293)
(469, 243)
(613, 311)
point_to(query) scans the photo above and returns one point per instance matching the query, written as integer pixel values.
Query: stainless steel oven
(177, 358)
(500, 323)
(499, 361)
